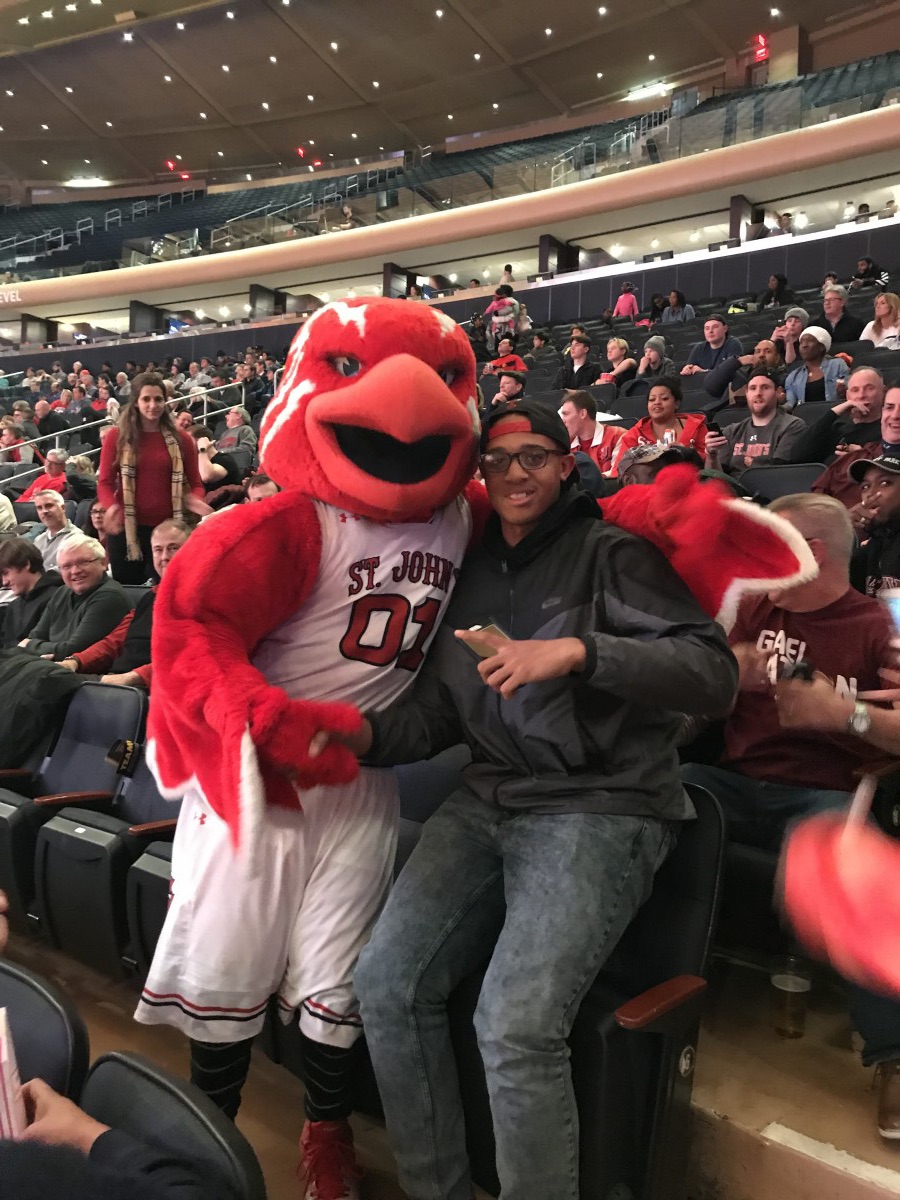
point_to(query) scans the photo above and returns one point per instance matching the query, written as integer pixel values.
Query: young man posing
(570, 805)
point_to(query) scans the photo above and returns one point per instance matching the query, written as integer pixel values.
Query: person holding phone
(571, 803)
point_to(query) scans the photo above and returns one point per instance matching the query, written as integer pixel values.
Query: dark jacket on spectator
(572, 378)
(876, 565)
(71, 622)
(23, 613)
(847, 329)
(703, 355)
(822, 438)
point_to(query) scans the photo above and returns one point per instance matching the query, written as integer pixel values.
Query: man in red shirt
(597, 439)
(52, 480)
(769, 775)
(506, 360)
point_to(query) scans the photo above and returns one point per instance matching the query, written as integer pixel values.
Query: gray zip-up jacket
(599, 741)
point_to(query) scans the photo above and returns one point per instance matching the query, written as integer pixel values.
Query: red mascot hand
(288, 745)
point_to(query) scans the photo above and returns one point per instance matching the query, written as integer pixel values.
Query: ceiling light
(375, 83)
(127, 37)
(87, 162)
(356, 160)
(23, 20)
(599, 74)
(44, 162)
(449, 116)
(495, 105)
(353, 135)
(651, 58)
(265, 105)
(179, 25)
(650, 90)
(83, 181)
(221, 153)
(69, 90)
(45, 127)
(286, 3)
(695, 236)
(248, 307)
(167, 78)
(310, 168)
(602, 10)
(71, 8)
(1, 128)
(109, 124)
(310, 97)
(226, 68)
(199, 314)
(331, 154)
(549, 32)
(47, 14)
(485, 273)
(654, 245)
(178, 158)
(272, 58)
(615, 249)
(224, 311)
(9, 93)
(438, 12)
(477, 57)
(230, 15)
(311, 142)
(248, 176)
(203, 116)
(334, 46)
(801, 221)
(774, 12)
(380, 148)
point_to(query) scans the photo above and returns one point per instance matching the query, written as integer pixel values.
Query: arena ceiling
(93, 89)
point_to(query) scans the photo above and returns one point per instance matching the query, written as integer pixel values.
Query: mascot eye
(448, 374)
(346, 365)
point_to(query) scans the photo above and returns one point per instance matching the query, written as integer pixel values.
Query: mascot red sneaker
(285, 618)
(282, 621)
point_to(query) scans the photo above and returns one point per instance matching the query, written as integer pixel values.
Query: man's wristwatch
(860, 720)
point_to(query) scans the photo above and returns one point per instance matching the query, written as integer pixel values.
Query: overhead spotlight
(438, 12)
(178, 157)
(477, 57)
(248, 176)
(71, 8)
(649, 91)
(356, 160)
(310, 97)
(69, 90)
(801, 221)
(380, 148)
(167, 78)
(265, 105)
(453, 277)
(248, 307)
(45, 127)
(774, 12)
(44, 163)
(599, 74)
(651, 58)
(602, 10)
(311, 142)
(199, 314)
(23, 20)
(353, 135)
(221, 153)
(109, 124)
(495, 105)
(272, 58)
(449, 116)
(375, 83)
(334, 46)
(548, 32)
(87, 162)
(9, 92)
(203, 116)
(47, 14)
(615, 249)
(224, 311)
(226, 68)
(230, 15)
(654, 245)
(695, 236)
(1, 128)
(179, 25)
(127, 37)
(485, 274)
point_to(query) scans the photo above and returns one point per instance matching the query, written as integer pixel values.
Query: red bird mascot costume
(286, 618)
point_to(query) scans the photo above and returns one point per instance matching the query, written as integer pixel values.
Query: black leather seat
(147, 902)
(75, 772)
(49, 1036)
(134, 1095)
(82, 861)
(780, 479)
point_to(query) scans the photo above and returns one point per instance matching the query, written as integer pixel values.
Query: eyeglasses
(529, 458)
(78, 562)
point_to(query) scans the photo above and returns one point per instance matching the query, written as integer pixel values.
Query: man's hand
(716, 443)
(25, 642)
(114, 519)
(815, 705)
(747, 359)
(56, 1121)
(862, 519)
(515, 663)
(891, 676)
(125, 679)
(691, 369)
(753, 667)
(71, 664)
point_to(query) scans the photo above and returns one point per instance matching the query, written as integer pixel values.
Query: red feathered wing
(722, 547)
(215, 722)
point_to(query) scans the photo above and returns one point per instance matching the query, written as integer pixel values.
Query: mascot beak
(398, 441)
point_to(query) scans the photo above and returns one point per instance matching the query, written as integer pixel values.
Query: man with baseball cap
(818, 377)
(575, 645)
(768, 435)
(875, 566)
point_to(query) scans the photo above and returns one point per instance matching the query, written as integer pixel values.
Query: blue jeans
(544, 898)
(758, 813)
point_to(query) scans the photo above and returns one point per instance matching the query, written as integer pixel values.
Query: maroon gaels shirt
(847, 641)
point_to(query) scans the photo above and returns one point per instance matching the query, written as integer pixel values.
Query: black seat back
(134, 1095)
(98, 716)
(780, 479)
(49, 1036)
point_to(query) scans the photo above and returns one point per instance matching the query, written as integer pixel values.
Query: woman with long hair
(884, 329)
(777, 293)
(148, 473)
(678, 308)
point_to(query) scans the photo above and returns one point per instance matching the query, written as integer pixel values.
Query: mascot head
(376, 412)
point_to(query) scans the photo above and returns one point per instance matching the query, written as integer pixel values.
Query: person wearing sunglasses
(571, 803)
